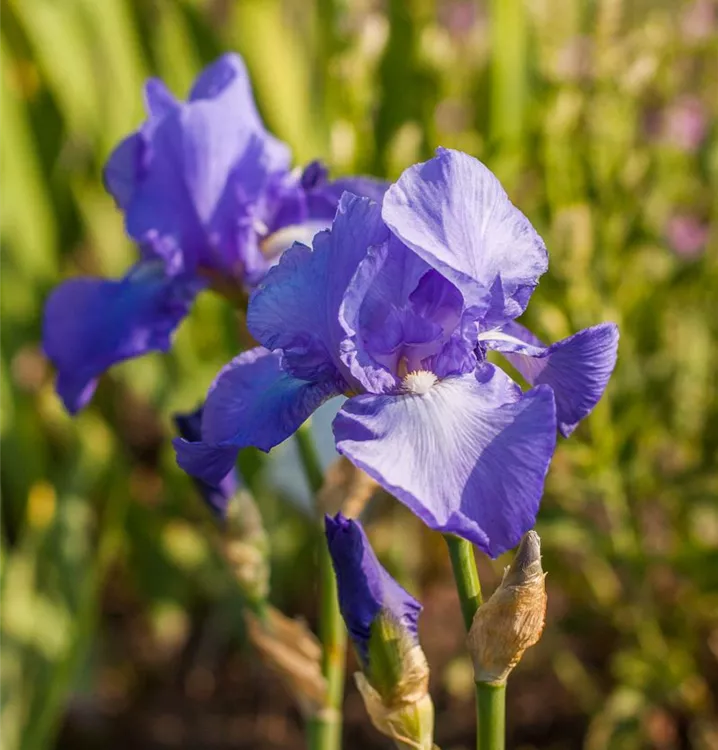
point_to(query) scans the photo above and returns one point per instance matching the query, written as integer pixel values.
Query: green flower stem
(490, 699)
(309, 458)
(491, 705)
(325, 729)
(468, 585)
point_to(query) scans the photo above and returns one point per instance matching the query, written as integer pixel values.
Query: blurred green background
(120, 623)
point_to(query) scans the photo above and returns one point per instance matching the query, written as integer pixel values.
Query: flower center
(418, 382)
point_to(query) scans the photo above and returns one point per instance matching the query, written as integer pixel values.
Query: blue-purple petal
(254, 401)
(122, 171)
(210, 463)
(225, 85)
(468, 457)
(287, 310)
(217, 497)
(159, 100)
(578, 368)
(90, 324)
(322, 195)
(197, 171)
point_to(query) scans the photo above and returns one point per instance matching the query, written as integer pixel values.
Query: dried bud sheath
(513, 618)
(245, 546)
(243, 540)
(291, 650)
(346, 489)
(410, 725)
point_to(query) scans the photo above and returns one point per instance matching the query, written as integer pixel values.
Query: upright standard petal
(122, 171)
(159, 101)
(453, 212)
(578, 368)
(90, 324)
(365, 588)
(196, 172)
(253, 401)
(228, 77)
(468, 456)
(296, 307)
(216, 498)
(159, 205)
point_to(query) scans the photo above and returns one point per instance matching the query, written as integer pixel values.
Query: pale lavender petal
(226, 84)
(469, 457)
(453, 212)
(297, 305)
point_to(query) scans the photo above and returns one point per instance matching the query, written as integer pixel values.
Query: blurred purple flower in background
(396, 307)
(208, 195)
(687, 235)
(458, 16)
(366, 590)
(699, 20)
(686, 123)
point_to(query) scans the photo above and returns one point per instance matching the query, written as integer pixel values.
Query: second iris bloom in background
(209, 196)
(396, 307)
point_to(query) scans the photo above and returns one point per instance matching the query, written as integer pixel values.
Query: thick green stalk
(466, 576)
(325, 730)
(490, 699)
(491, 704)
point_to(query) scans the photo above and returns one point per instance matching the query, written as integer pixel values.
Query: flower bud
(292, 651)
(244, 541)
(513, 618)
(382, 621)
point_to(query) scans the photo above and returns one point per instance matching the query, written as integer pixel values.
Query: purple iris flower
(217, 497)
(396, 307)
(366, 590)
(208, 195)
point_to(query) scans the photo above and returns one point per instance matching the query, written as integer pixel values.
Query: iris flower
(208, 195)
(396, 307)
